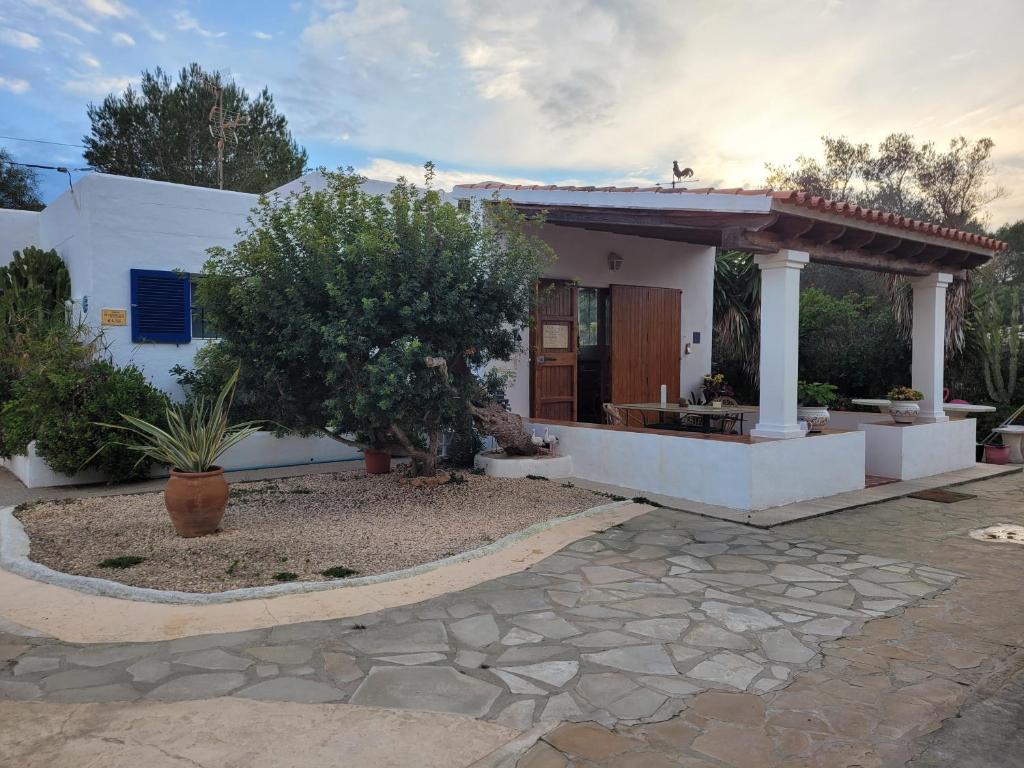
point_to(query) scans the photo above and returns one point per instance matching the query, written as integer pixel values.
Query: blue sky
(589, 91)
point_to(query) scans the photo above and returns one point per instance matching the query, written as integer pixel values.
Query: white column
(780, 334)
(929, 343)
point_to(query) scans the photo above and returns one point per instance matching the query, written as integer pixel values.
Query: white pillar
(780, 333)
(929, 343)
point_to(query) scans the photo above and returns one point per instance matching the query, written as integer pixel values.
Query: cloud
(89, 60)
(262, 35)
(111, 8)
(186, 22)
(57, 10)
(97, 86)
(122, 39)
(14, 84)
(19, 39)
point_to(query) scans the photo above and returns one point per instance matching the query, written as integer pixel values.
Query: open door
(646, 341)
(553, 346)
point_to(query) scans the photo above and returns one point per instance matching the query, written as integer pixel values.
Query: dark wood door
(553, 348)
(645, 346)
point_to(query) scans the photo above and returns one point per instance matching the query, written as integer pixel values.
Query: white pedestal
(908, 451)
(500, 465)
(1013, 437)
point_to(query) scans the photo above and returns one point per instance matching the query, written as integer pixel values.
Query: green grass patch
(232, 568)
(536, 477)
(645, 500)
(285, 576)
(339, 572)
(124, 561)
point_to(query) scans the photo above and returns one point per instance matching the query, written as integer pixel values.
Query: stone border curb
(14, 557)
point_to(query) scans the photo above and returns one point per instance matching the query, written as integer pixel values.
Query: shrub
(63, 387)
(816, 394)
(904, 394)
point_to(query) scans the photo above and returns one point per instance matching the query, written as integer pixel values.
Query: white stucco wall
(110, 225)
(909, 451)
(731, 474)
(583, 257)
(17, 229)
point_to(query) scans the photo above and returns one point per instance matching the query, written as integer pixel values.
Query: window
(202, 328)
(588, 317)
(161, 304)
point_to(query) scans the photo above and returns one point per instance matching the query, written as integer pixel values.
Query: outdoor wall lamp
(614, 261)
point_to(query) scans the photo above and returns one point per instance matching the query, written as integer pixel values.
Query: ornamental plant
(195, 436)
(816, 394)
(367, 318)
(904, 394)
(715, 385)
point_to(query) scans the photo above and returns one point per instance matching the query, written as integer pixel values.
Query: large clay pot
(816, 416)
(196, 501)
(997, 454)
(377, 462)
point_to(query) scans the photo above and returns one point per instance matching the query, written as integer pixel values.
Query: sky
(551, 91)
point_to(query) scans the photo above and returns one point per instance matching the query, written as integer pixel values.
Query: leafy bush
(904, 394)
(63, 387)
(852, 342)
(816, 394)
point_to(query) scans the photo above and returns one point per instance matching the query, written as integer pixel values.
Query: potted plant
(196, 493)
(813, 400)
(903, 404)
(997, 453)
(378, 461)
(715, 387)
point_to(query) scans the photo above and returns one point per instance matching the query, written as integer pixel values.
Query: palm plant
(195, 437)
(737, 309)
(958, 301)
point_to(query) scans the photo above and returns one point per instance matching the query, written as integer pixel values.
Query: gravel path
(302, 526)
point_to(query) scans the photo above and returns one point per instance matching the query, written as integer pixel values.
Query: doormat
(942, 496)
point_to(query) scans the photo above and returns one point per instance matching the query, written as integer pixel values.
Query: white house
(625, 310)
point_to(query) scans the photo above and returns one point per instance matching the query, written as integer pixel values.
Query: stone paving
(628, 626)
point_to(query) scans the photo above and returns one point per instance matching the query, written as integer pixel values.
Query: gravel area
(301, 526)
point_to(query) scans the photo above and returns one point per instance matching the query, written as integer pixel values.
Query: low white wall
(909, 451)
(853, 419)
(731, 474)
(259, 451)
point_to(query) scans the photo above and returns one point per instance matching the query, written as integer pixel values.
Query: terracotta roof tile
(801, 199)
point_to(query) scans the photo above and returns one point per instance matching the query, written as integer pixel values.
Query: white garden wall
(909, 451)
(735, 474)
(260, 451)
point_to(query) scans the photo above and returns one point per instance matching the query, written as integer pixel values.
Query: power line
(61, 168)
(42, 141)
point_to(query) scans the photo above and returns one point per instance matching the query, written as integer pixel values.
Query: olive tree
(369, 318)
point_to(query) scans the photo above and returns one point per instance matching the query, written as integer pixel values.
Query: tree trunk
(505, 427)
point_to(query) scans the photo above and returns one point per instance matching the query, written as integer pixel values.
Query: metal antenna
(223, 125)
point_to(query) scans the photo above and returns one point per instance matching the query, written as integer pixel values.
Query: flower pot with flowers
(715, 387)
(813, 401)
(903, 404)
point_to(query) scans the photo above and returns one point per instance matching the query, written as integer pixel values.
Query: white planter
(816, 416)
(499, 465)
(904, 411)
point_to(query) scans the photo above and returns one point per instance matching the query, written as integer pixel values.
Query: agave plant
(195, 437)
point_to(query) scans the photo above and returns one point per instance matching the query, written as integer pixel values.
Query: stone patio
(621, 627)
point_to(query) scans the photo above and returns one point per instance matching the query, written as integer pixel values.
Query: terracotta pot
(997, 454)
(377, 462)
(196, 501)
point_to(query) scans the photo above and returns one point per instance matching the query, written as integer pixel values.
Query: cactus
(1000, 341)
(34, 286)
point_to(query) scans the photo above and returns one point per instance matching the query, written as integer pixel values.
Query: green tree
(368, 318)
(161, 132)
(19, 186)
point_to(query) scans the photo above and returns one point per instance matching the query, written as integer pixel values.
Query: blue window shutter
(161, 307)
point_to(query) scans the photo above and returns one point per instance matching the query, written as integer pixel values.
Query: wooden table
(706, 412)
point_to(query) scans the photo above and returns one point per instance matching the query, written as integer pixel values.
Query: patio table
(706, 412)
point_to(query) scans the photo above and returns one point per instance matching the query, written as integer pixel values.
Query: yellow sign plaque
(113, 317)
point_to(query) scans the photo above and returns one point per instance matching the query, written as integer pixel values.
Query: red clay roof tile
(801, 199)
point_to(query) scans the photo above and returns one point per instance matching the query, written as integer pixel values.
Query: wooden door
(646, 341)
(553, 348)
